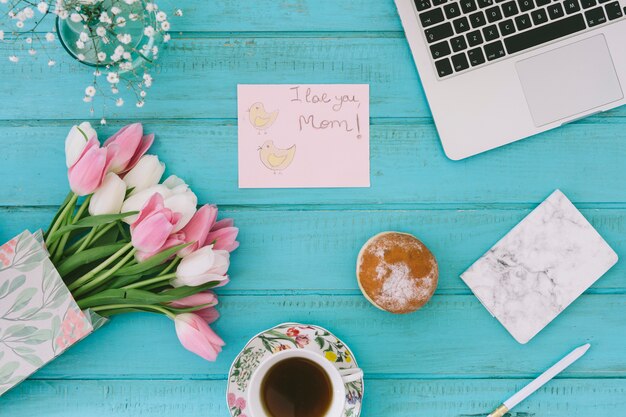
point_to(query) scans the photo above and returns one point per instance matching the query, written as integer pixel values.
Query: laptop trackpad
(569, 80)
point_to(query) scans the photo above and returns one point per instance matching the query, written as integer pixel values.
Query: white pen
(540, 381)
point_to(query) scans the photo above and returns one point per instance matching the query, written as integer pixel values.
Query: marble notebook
(540, 267)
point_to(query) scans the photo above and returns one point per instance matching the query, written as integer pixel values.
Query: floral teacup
(338, 379)
(289, 337)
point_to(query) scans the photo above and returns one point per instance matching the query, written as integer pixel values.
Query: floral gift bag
(39, 319)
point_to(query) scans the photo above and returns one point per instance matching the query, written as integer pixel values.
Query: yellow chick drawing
(274, 158)
(260, 119)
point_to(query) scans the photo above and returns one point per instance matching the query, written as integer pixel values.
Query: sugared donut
(396, 272)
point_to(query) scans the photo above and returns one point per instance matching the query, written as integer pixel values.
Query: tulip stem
(150, 281)
(63, 216)
(81, 244)
(140, 306)
(172, 264)
(100, 278)
(85, 278)
(82, 208)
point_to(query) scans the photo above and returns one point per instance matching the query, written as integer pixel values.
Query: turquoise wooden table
(298, 248)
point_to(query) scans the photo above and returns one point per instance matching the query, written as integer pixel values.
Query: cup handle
(351, 374)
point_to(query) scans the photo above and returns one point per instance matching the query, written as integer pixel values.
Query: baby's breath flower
(116, 10)
(81, 57)
(148, 31)
(87, 99)
(142, 94)
(90, 91)
(83, 36)
(80, 44)
(166, 38)
(126, 55)
(113, 77)
(124, 38)
(51, 63)
(126, 66)
(28, 40)
(140, 103)
(114, 89)
(28, 13)
(129, 2)
(102, 56)
(161, 16)
(42, 7)
(101, 31)
(104, 18)
(119, 50)
(165, 25)
(150, 7)
(103, 121)
(19, 24)
(178, 12)
(50, 37)
(31, 51)
(75, 17)
(13, 58)
(119, 102)
(120, 21)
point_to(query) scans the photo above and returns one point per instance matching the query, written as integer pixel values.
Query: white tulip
(181, 200)
(202, 266)
(136, 201)
(76, 141)
(185, 204)
(109, 197)
(176, 184)
(145, 174)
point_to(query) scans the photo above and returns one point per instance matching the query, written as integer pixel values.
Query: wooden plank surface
(453, 336)
(403, 398)
(320, 247)
(408, 167)
(297, 258)
(203, 73)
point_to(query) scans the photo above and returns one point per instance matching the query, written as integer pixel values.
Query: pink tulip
(127, 146)
(196, 336)
(208, 299)
(87, 173)
(223, 236)
(198, 229)
(152, 229)
(174, 239)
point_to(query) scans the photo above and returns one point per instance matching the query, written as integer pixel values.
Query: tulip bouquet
(123, 241)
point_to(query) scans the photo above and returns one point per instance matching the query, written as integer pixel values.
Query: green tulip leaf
(87, 222)
(87, 256)
(140, 297)
(151, 262)
(59, 211)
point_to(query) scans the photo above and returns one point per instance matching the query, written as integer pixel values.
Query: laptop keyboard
(469, 33)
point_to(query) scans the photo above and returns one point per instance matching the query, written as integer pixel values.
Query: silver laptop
(496, 71)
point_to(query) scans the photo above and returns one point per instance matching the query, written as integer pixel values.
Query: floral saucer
(290, 336)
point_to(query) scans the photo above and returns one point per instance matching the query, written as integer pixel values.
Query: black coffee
(296, 387)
